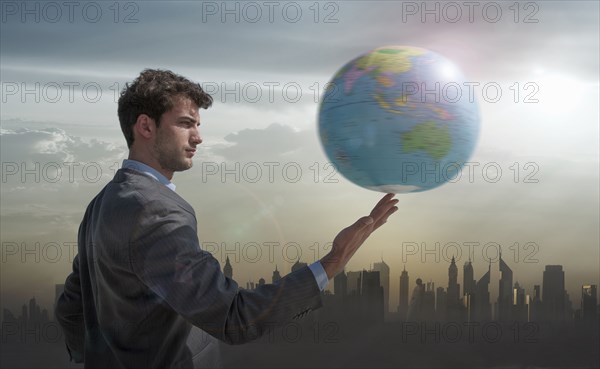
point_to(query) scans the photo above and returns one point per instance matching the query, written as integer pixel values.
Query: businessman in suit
(140, 279)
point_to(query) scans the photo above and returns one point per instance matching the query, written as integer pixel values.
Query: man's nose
(196, 138)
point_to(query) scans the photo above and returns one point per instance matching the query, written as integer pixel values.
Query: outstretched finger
(384, 202)
(379, 211)
(387, 197)
(384, 218)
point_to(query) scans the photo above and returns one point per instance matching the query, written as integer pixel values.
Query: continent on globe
(428, 137)
(386, 126)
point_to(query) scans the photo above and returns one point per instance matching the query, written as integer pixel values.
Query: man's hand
(350, 238)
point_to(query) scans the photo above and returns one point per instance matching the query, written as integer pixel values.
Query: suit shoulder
(138, 190)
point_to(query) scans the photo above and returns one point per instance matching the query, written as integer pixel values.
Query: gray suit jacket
(140, 281)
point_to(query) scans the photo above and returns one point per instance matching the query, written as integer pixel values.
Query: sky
(262, 187)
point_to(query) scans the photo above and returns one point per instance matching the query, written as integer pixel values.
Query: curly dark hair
(153, 93)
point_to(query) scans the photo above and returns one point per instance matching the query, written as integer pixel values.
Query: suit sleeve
(166, 255)
(69, 314)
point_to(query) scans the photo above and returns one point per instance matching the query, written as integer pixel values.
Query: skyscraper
(340, 284)
(568, 307)
(428, 305)
(25, 321)
(482, 308)
(227, 269)
(469, 284)
(536, 304)
(505, 292)
(33, 309)
(403, 299)
(589, 302)
(453, 292)
(384, 277)
(440, 303)
(353, 286)
(553, 293)
(276, 276)
(371, 295)
(519, 304)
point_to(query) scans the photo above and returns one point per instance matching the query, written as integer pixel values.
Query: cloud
(565, 36)
(53, 145)
(46, 171)
(274, 142)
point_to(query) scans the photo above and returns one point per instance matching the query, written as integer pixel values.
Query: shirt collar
(146, 169)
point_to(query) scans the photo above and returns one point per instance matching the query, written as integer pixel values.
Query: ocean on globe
(399, 119)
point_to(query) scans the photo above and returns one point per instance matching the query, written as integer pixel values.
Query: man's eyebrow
(188, 119)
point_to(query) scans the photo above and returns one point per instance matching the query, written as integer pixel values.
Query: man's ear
(145, 126)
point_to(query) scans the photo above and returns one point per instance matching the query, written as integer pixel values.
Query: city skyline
(508, 284)
(229, 268)
(34, 315)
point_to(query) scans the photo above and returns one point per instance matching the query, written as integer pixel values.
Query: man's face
(177, 136)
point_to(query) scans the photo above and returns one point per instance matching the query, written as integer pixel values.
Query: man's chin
(184, 166)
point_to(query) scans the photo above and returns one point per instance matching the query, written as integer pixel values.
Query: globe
(399, 119)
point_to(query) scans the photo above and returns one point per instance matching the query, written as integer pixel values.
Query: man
(140, 280)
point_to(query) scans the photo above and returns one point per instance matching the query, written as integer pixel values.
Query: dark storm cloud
(183, 35)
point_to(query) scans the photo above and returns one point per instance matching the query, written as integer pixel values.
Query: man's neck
(151, 162)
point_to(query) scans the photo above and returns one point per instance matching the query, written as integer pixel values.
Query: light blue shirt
(316, 268)
(146, 169)
(320, 274)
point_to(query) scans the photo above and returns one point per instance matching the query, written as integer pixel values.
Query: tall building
(453, 293)
(553, 293)
(468, 303)
(505, 292)
(371, 295)
(33, 312)
(428, 304)
(227, 269)
(469, 284)
(384, 277)
(483, 309)
(536, 304)
(24, 315)
(25, 322)
(519, 304)
(276, 276)
(403, 299)
(416, 301)
(518, 297)
(569, 312)
(353, 285)
(440, 303)
(589, 303)
(340, 284)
